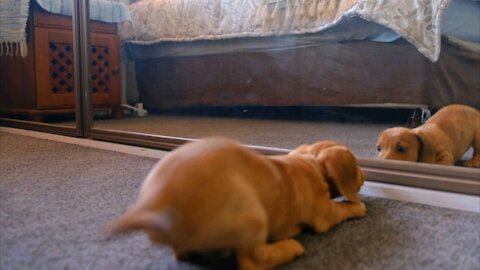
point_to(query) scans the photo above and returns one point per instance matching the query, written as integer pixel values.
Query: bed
(305, 52)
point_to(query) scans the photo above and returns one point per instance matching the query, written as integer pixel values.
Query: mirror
(37, 79)
(285, 73)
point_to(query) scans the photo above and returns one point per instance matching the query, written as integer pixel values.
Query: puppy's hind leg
(289, 233)
(268, 256)
(254, 253)
(253, 250)
(475, 161)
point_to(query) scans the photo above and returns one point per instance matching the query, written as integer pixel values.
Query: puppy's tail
(140, 220)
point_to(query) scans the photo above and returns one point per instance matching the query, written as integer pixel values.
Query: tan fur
(443, 139)
(215, 194)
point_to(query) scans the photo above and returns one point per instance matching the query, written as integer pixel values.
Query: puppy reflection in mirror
(215, 195)
(442, 139)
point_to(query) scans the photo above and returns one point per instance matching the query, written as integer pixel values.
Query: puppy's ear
(341, 168)
(139, 220)
(426, 149)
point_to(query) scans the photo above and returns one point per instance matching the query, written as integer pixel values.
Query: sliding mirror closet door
(38, 78)
(107, 87)
(281, 74)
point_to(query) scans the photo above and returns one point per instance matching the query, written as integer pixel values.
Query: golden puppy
(443, 139)
(216, 195)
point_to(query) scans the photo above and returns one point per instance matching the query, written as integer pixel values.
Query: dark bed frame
(327, 74)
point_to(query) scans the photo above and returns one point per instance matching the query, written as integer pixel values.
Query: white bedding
(418, 21)
(110, 11)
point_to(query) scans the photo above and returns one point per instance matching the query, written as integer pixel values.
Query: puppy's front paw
(359, 210)
(473, 163)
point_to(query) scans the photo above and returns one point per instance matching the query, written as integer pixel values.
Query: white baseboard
(423, 196)
(395, 192)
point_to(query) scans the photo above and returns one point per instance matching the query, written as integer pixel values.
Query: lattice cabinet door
(55, 69)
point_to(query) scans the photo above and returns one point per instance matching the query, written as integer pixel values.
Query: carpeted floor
(268, 126)
(360, 137)
(56, 198)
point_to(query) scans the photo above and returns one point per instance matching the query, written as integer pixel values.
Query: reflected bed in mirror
(323, 60)
(274, 82)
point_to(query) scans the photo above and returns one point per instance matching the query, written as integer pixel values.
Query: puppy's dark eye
(401, 148)
(379, 148)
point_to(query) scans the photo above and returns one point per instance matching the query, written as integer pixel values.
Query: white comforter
(155, 21)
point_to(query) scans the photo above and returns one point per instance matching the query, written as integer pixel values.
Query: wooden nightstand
(43, 82)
